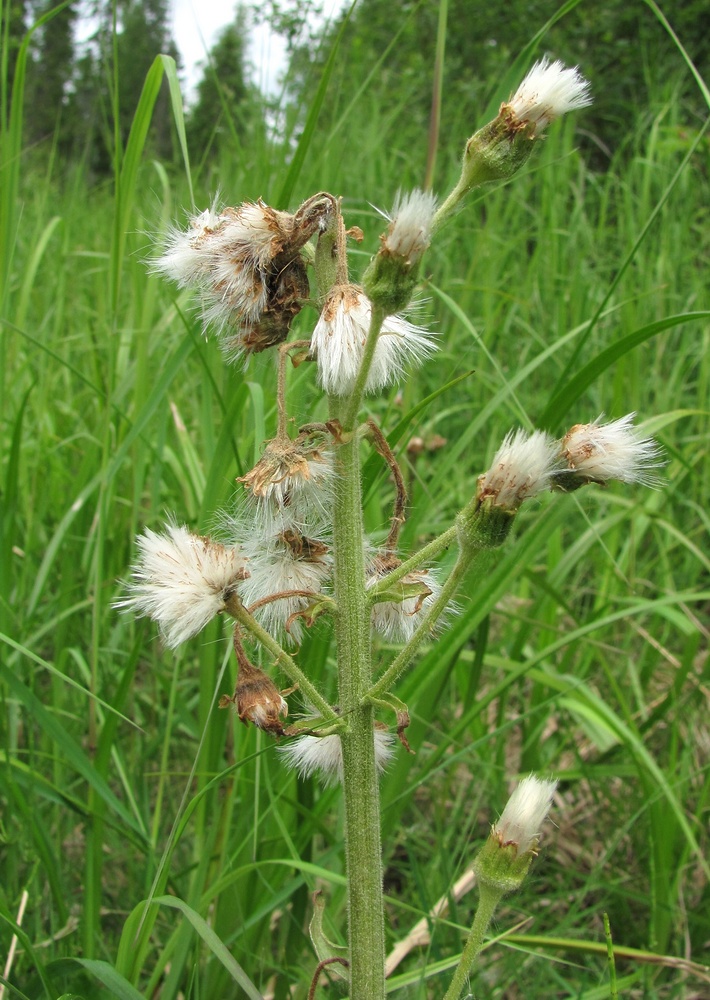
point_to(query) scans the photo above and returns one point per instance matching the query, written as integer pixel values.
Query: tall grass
(164, 848)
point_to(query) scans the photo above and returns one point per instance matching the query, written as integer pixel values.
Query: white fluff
(615, 450)
(182, 581)
(274, 568)
(323, 755)
(525, 813)
(226, 255)
(549, 90)
(521, 468)
(410, 225)
(398, 620)
(339, 339)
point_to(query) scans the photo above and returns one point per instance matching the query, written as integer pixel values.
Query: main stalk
(360, 784)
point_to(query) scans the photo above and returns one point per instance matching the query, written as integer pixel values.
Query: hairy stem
(360, 783)
(487, 902)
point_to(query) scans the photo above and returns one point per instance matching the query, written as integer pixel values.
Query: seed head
(504, 860)
(409, 231)
(182, 581)
(548, 91)
(290, 564)
(246, 263)
(291, 472)
(596, 453)
(339, 339)
(524, 814)
(521, 468)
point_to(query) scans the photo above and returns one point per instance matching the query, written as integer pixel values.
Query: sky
(195, 25)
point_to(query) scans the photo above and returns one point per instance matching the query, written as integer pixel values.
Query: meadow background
(578, 288)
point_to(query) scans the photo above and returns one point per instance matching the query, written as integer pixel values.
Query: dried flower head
(323, 755)
(246, 263)
(596, 453)
(291, 471)
(548, 91)
(182, 581)
(339, 339)
(256, 698)
(521, 468)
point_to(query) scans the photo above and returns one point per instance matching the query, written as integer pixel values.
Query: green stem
(450, 206)
(429, 552)
(487, 902)
(236, 609)
(363, 849)
(353, 406)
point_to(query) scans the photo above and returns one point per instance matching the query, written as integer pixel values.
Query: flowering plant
(300, 552)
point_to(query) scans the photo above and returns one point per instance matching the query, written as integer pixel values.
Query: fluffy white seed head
(409, 232)
(549, 90)
(182, 581)
(187, 258)
(525, 813)
(522, 468)
(339, 339)
(323, 755)
(615, 450)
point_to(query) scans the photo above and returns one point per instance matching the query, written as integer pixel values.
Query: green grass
(581, 652)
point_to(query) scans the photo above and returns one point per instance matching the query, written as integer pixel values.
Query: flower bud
(505, 858)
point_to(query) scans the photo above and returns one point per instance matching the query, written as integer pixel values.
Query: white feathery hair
(525, 812)
(182, 581)
(225, 254)
(274, 568)
(323, 755)
(521, 468)
(397, 621)
(410, 224)
(549, 90)
(615, 450)
(339, 339)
